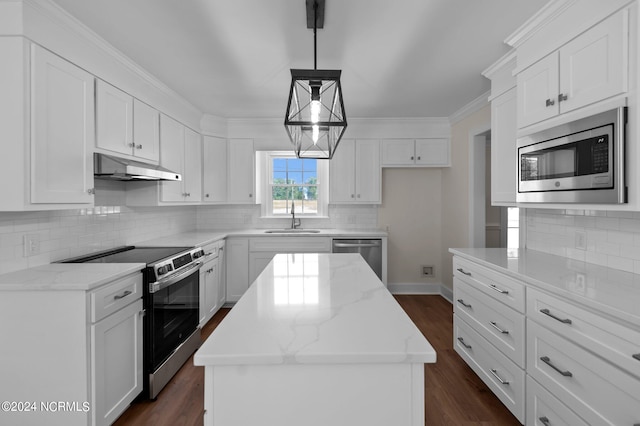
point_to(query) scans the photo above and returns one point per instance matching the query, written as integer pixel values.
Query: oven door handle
(159, 285)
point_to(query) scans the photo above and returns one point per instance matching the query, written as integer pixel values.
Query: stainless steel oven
(578, 162)
(171, 302)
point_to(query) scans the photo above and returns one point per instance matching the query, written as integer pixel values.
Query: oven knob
(163, 270)
(198, 254)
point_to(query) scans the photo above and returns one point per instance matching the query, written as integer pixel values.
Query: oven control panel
(169, 266)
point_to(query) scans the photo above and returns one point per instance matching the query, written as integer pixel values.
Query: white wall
(411, 210)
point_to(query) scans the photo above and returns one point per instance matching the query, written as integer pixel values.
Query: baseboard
(421, 288)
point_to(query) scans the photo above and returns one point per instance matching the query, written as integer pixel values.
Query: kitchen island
(316, 340)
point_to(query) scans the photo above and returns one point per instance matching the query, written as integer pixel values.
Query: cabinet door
(192, 166)
(237, 265)
(214, 170)
(368, 172)
(538, 91)
(209, 283)
(341, 173)
(114, 119)
(593, 66)
(257, 263)
(503, 149)
(116, 351)
(241, 181)
(222, 274)
(432, 152)
(146, 131)
(172, 157)
(62, 131)
(398, 152)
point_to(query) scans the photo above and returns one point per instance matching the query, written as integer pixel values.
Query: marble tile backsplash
(605, 238)
(69, 233)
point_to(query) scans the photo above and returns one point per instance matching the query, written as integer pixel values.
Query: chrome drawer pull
(547, 361)
(461, 340)
(494, 325)
(464, 272)
(548, 313)
(636, 356)
(466, 305)
(493, 287)
(123, 295)
(495, 374)
(545, 421)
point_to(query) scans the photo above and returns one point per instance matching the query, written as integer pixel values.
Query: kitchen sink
(292, 231)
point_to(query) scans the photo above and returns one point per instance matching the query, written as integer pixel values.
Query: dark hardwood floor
(454, 395)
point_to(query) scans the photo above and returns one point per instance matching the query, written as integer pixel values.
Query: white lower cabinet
(237, 268)
(263, 249)
(83, 348)
(582, 366)
(209, 283)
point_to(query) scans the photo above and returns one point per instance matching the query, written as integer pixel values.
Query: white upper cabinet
(590, 68)
(62, 131)
(214, 170)
(355, 173)
(503, 149)
(181, 152)
(432, 152)
(125, 125)
(146, 131)
(241, 172)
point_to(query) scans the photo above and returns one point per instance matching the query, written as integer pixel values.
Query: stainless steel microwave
(578, 162)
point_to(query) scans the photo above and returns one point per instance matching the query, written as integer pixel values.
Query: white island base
(316, 340)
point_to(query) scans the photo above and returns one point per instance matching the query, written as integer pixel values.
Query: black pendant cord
(315, 39)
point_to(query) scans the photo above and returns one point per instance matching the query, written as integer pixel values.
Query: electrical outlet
(31, 245)
(427, 270)
(581, 240)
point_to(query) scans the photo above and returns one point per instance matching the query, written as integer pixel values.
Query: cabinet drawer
(292, 244)
(499, 324)
(114, 296)
(210, 252)
(501, 375)
(589, 385)
(613, 341)
(499, 286)
(544, 408)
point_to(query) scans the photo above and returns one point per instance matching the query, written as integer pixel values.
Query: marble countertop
(612, 292)
(316, 309)
(66, 276)
(203, 237)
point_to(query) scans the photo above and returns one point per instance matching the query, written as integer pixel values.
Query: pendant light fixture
(315, 119)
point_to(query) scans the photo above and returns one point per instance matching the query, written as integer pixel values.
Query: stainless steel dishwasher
(369, 249)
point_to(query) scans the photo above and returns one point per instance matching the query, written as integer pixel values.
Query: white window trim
(264, 172)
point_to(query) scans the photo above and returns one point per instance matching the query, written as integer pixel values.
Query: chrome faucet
(294, 222)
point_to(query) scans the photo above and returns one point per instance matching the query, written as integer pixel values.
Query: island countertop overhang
(316, 309)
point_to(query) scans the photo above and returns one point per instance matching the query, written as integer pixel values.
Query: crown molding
(548, 12)
(63, 19)
(509, 59)
(475, 105)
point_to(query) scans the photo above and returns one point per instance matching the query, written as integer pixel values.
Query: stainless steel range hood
(115, 168)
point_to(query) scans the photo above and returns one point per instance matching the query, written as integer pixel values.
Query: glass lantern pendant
(315, 119)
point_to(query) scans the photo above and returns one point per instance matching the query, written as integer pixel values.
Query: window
(298, 181)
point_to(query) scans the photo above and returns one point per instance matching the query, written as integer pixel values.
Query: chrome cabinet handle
(139, 146)
(495, 374)
(544, 421)
(412, 157)
(494, 325)
(464, 272)
(493, 287)
(461, 340)
(562, 97)
(131, 144)
(548, 313)
(466, 305)
(550, 102)
(91, 191)
(206, 195)
(123, 295)
(418, 157)
(636, 356)
(547, 361)
(250, 195)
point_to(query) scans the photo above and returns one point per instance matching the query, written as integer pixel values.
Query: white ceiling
(231, 58)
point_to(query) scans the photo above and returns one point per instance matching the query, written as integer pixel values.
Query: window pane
(295, 177)
(310, 178)
(279, 164)
(294, 164)
(309, 164)
(279, 177)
